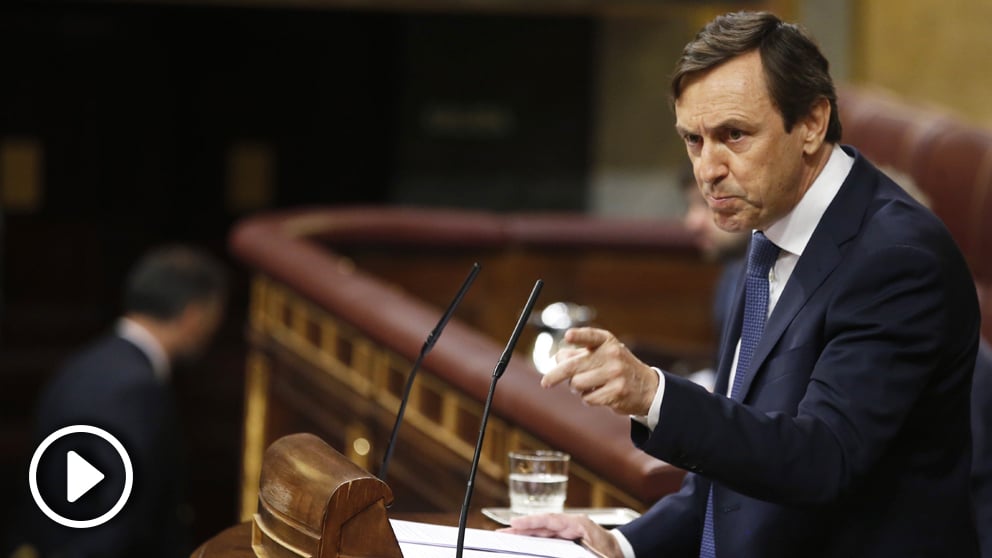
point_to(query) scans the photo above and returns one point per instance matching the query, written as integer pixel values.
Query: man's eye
(692, 139)
(735, 135)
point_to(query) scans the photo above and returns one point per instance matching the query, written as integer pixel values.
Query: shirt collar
(138, 335)
(792, 232)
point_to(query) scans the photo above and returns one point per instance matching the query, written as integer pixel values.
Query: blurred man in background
(172, 305)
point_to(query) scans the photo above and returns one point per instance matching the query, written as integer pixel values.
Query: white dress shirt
(791, 234)
(134, 332)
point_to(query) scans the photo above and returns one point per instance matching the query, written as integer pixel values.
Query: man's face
(749, 170)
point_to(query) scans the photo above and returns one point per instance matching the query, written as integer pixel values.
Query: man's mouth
(720, 202)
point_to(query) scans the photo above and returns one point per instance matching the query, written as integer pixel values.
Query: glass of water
(538, 481)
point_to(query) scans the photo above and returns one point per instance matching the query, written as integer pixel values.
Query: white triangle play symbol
(80, 476)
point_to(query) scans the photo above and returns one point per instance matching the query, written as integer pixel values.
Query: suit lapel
(822, 254)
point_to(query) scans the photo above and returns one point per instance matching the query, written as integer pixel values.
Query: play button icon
(88, 483)
(80, 476)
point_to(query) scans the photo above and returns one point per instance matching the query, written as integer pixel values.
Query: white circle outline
(80, 429)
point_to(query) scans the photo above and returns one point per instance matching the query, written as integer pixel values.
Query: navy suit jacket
(111, 385)
(853, 435)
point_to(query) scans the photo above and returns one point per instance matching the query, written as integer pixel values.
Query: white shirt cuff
(628, 551)
(654, 413)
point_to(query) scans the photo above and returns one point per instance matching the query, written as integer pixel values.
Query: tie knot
(761, 256)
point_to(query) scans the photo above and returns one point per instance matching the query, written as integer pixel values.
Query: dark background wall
(134, 113)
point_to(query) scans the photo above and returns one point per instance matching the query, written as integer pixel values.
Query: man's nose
(712, 163)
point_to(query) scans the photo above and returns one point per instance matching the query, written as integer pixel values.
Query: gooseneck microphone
(428, 345)
(504, 360)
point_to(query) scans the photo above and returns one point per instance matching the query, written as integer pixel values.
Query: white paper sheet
(424, 535)
(412, 550)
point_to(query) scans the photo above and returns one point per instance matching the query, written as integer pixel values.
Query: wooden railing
(342, 300)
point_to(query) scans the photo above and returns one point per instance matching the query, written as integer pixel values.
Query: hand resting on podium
(567, 526)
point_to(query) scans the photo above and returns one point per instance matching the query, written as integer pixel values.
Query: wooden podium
(312, 503)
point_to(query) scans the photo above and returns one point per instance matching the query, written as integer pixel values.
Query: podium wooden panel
(342, 301)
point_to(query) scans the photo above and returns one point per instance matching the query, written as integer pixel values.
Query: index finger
(588, 337)
(563, 371)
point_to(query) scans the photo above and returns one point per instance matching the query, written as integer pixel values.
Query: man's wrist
(650, 420)
(622, 547)
(651, 389)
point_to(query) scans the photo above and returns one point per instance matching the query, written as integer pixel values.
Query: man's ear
(814, 126)
(191, 315)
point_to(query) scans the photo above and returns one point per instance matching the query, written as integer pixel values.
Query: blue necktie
(760, 260)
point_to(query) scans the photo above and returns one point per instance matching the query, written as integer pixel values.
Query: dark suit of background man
(848, 435)
(173, 304)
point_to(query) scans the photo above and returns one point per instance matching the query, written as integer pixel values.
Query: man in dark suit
(173, 304)
(840, 426)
